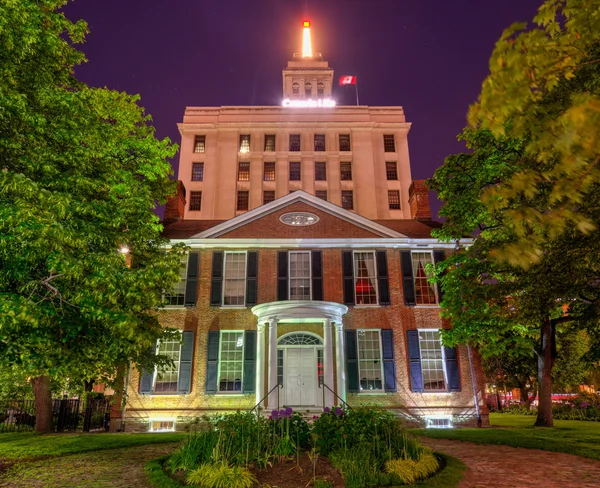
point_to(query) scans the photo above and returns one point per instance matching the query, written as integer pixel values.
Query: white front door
(300, 376)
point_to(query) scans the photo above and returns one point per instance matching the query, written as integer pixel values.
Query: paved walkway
(492, 466)
(111, 468)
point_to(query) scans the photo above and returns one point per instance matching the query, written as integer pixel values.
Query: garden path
(507, 467)
(111, 468)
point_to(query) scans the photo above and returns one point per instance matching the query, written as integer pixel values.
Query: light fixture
(124, 250)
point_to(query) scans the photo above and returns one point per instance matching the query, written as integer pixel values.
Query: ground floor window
(231, 361)
(369, 360)
(167, 376)
(432, 360)
(162, 425)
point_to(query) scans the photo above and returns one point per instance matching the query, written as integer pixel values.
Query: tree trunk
(43, 404)
(545, 354)
(88, 385)
(524, 390)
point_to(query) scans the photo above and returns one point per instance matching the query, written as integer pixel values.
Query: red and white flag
(347, 80)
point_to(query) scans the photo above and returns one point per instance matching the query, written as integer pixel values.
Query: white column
(273, 363)
(328, 360)
(340, 360)
(260, 363)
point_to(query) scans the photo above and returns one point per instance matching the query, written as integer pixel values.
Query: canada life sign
(321, 102)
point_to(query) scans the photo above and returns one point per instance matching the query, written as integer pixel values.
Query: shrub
(221, 476)
(408, 471)
(196, 449)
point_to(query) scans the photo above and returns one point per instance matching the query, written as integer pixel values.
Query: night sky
(430, 56)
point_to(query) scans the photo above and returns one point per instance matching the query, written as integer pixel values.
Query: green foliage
(449, 476)
(221, 476)
(358, 465)
(585, 406)
(196, 449)
(409, 470)
(322, 484)
(156, 474)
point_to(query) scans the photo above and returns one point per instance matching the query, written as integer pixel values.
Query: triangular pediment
(273, 220)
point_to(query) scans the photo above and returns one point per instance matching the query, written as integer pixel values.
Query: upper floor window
(195, 200)
(231, 361)
(269, 171)
(295, 174)
(424, 291)
(320, 171)
(394, 199)
(234, 278)
(365, 278)
(197, 171)
(389, 144)
(300, 279)
(391, 170)
(244, 143)
(319, 142)
(320, 90)
(308, 90)
(244, 171)
(345, 142)
(347, 200)
(345, 170)
(370, 364)
(295, 90)
(167, 377)
(175, 297)
(432, 360)
(295, 142)
(270, 143)
(199, 144)
(268, 196)
(322, 194)
(242, 200)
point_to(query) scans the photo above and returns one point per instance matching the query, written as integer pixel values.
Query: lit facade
(305, 284)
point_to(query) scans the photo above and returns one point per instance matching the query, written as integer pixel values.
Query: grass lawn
(25, 445)
(570, 436)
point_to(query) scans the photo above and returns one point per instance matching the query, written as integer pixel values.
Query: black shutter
(216, 282)
(382, 278)
(439, 256)
(414, 356)
(212, 361)
(317, 275)
(185, 362)
(408, 284)
(348, 274)
(352, 360)
(389, 365)
(452, 369)
(249, 361)
(282, 275)
(147, 377)
(191, 283)
(251, 278)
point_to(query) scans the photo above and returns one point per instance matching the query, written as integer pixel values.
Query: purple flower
(337, 411)
(282, 413)
(326, 410)
(289, 411)
(275, 414)
(584, 404)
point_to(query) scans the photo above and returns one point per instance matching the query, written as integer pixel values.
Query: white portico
(296, 357)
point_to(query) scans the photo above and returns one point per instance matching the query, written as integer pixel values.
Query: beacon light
(306, 23)
(306, 43)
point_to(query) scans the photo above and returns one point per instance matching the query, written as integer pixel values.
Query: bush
(221, 476)
(585, 406)
(196, 449)
(408, 471)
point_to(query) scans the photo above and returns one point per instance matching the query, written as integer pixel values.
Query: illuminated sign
(321, 102)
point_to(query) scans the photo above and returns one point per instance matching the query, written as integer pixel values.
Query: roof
(415, 229)
(184, 229)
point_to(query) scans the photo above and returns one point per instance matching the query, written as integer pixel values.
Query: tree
(539, 90)
(81, 172)
(501, 307)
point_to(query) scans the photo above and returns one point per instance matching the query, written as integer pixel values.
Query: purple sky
(430, 56)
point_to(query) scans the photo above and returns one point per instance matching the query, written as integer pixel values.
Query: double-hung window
(195, 200)
(365, 278)
(197, 171)
(370, 364)
(231, 361)
(432, 361)
(295, 171)
(244, 171)
(320, 171)
(167, 376)
(234, 279)
(294, 142)
(344, 140)
(199, 144)
(425, 292)
(245, 143)
(270, 143)
(175, 297)
(389, 143)
(319, 142)
(300, 277)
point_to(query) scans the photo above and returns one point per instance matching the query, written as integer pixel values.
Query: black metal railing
(278, 386)
(334, 394)
(17, 416)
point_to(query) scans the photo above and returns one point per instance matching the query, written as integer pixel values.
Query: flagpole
(356, 88)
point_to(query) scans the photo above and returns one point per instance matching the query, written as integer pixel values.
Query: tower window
(391, 170)
(319, 142)
(345, 142)
(244, 171)
(197, 171)
(295, 142)
(347, 200)
(295, 174)
(322, 194)
(308, 90)
(269, 173)
(346, 171)
(320, 171)
(389, 144)
(245, 143)
(320, 90)
(295, 90)
(268, 196)
(195, 200)
(394, 199)
(270, 143)
(199, 144)
(242, 200)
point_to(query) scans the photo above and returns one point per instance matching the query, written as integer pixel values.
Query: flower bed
(581, 407)
(368, 447)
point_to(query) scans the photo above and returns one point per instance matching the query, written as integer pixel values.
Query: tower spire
(306, 41)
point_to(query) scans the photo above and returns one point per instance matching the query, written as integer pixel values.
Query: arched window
(295, 90)
(300, 339)
(308, 90)
(320, 90)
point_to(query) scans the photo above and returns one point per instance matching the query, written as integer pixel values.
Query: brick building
(305, 284)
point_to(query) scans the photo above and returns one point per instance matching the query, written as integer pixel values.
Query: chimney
(175, 207)
(418, 200)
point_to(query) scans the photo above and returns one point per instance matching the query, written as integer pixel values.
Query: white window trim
(435, 291)
(371, 392)
(438, 417)
(155, 375)
(162, 419)
(435, 392)
(224, 280)
(231, 393)
(309, 274)
(187, 262)
(367, 305)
